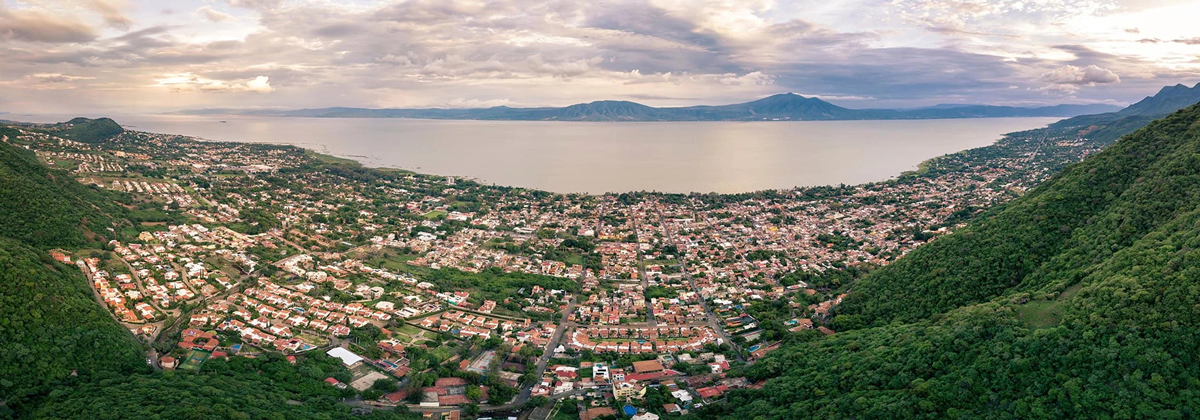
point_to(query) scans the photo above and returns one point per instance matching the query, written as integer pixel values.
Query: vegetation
(264, 388)
(1075, 301)
(51, 328)
(86, 130)
(46, 207)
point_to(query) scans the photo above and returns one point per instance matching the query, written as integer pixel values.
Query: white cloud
(213, 15)
(753, 78)
(185, 82)
(1089, 75)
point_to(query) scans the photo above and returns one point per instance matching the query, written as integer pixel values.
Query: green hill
(47, 207)
(1078, 300)
(85, 130)
(51, 326)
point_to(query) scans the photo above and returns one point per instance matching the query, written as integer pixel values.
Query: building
(648, 366)
(347, 357)
(627, 390)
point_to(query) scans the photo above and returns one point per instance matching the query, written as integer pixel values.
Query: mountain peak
(1169, 99)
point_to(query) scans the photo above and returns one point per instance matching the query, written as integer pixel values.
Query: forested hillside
(1052, 236)
(47, 207)
(52, 327)
(87, 130)
(1076, 301)
(265, 388)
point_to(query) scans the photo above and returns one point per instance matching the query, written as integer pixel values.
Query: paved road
(559, 332)
(642, 273)
(712, 319)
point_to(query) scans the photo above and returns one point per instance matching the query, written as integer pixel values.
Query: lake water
(603, 157)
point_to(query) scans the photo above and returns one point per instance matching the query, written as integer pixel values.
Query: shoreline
(377, 163)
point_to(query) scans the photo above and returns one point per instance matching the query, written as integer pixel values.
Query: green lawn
(442, 353)
(408, 330)
(563, 411)
(1040, 313)
(434, 215)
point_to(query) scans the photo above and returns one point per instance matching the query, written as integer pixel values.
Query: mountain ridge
(783, 107)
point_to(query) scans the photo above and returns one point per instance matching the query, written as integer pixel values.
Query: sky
(64, 56)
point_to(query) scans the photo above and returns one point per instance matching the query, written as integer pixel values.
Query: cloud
(57, 77)
(475, 103)
(36, 26)
(752, 78)
(413, 53)
(1072, 75)
(185, 82)
(1069, 79)
(110, 11)
(213, 15)
(561, 69)
(255, 4)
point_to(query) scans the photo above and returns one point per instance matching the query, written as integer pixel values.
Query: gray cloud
(1089, 75)
(23, 25)
(110, 11)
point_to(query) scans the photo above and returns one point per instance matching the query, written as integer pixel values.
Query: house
(599, 371)
(645, 416)
(712, 391)
(336, 383)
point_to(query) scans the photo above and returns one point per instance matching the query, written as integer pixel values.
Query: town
(453, 298)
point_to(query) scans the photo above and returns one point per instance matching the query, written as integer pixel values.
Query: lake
(598, 157)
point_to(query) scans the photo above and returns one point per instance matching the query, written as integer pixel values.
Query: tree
(538, 401)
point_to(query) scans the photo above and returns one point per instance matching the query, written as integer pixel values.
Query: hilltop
(783, 107)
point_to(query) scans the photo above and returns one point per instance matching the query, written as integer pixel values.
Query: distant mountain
(1112, 125)
(782, 107)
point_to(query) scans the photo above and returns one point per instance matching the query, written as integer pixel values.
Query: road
(642, 272)
(545, 358)
(687, 275)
